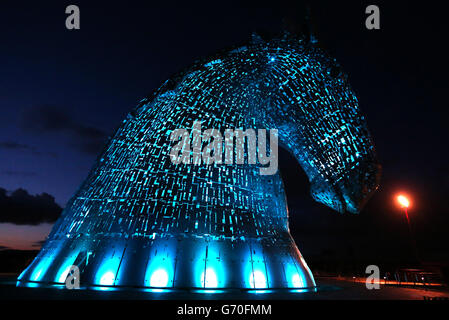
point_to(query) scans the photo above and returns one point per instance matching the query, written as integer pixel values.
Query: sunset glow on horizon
(23, 237)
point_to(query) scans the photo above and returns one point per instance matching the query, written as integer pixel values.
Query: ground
(328, 289)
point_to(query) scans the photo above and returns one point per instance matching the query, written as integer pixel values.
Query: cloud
(15, 146)
(19, 207)
(50, 119)
(38, 244)
(11, 145)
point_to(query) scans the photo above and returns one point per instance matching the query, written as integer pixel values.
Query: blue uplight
(160, 271)
(294, 276)
(208, 291)
(107, 279)
(105, 275)
(41, 269)
(61, 276)
(260, 291)
(258, 280)
(210, 270)
(297, 281)
(159, 278)
(209, 280)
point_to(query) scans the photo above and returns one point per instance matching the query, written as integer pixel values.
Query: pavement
(327, 289)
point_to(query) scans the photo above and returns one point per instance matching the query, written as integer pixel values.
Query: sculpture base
(185, 262)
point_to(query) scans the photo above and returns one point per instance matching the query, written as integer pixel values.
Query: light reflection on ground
(328, 289)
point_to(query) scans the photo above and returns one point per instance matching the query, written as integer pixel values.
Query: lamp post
(404, 203)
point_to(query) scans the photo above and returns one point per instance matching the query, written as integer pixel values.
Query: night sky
(62, 93)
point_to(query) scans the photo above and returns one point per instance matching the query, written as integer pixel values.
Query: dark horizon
(64, 92)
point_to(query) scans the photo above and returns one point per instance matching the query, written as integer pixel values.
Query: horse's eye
(334, 71)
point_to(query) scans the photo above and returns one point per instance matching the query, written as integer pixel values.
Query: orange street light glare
(403, 201)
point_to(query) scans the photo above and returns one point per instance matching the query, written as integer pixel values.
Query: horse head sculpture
(141, 219)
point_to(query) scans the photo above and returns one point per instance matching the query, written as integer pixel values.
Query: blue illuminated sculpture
(139, 220)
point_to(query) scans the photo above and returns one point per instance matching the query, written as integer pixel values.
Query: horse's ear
(309, 38)
(309, 30)
(300, 27)
(256, 39)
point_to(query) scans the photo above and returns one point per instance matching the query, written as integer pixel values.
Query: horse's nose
(352, 190)
(358, 186)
